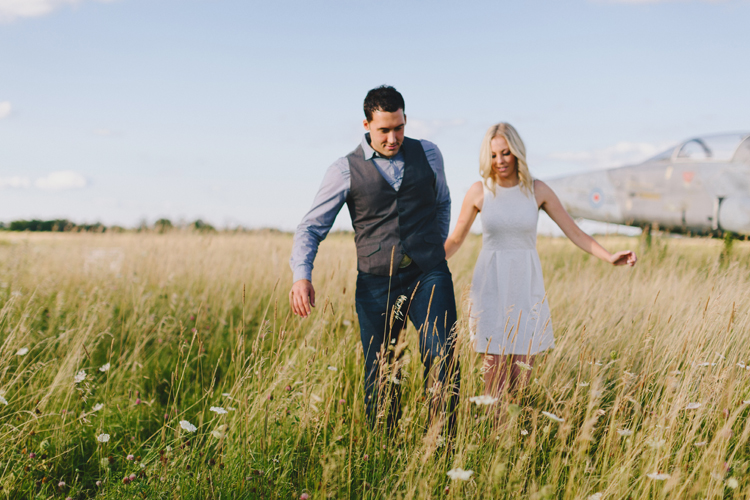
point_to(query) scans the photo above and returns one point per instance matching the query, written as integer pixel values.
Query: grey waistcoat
(389, 223)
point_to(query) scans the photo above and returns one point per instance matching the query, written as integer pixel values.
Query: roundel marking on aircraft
(688, 177)
(596, 198)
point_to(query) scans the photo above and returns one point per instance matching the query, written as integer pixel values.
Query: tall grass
(648, 377)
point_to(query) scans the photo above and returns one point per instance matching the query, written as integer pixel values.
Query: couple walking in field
(398, 199)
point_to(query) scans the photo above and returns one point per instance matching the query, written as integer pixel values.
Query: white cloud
(5, 107)
(427, 129)
(61, 181)
(14, 182)
(10, 10)
(622, 153)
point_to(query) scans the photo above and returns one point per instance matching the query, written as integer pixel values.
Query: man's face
(386, 131)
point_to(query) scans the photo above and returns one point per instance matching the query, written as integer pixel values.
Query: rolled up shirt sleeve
(318, 221)
(435, 158)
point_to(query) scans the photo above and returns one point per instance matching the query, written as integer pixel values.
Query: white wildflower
(22, 351)
(333, 368)
(346, 322)
(625, 432)
(732, 483)
(583, 384)
(218, 410)
(459, 473)
(658, 476)
(483, 400)
(188, 426)
(702, 443)
(524, 432)
(693, 406)
(80, 377)
(104, 367)
(3, 401)
(656, 443)
(552, 416)
(524, 366)
(97, 407)
(596, 496)
(102, 438)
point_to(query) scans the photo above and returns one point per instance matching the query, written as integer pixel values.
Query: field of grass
(109, 342)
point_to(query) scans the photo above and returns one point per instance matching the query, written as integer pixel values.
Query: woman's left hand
(622, 258)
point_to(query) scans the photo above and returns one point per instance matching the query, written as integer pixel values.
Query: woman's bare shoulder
(476, 194)
(541, 191)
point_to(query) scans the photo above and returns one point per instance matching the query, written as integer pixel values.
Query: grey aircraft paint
(700, 186)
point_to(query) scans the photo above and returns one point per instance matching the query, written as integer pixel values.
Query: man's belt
(405, 262)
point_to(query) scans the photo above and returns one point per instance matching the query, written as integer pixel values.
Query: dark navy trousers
(432, 311)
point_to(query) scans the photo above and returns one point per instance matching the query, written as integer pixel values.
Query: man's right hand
(301, 297)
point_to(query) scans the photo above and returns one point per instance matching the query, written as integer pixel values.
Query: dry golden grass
(190, 322)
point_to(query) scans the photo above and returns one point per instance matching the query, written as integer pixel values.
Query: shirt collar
(371, 153)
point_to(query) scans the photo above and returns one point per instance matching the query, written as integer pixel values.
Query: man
(399, 203)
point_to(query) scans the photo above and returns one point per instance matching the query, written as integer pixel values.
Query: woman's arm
(548, 201)
(471, 206)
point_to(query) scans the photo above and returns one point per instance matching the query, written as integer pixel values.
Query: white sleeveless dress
(509, 309)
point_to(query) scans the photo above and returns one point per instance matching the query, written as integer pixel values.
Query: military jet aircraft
(701, 186)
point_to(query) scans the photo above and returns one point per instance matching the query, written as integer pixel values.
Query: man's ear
(366, 124)
(404, 119)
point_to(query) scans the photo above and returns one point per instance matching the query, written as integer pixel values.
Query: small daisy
(218, 410)
(103, 438)
(104, 368)
(188, 426)
(524, 432)
(658, 476)
(459, 473)
(483, 400)
(552, 416)
(3, 401)
(732, 483)
(80, 377)
(22, 351)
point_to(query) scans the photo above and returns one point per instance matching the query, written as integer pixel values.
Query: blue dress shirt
(334, 190)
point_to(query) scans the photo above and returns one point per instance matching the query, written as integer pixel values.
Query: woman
(509, 307)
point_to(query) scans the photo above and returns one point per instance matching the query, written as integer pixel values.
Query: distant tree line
(63, 225)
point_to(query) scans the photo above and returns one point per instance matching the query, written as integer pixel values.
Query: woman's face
(503, 162)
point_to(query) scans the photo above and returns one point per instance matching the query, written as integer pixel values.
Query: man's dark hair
(384, 98)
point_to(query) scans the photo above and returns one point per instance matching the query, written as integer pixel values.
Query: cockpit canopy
(723, 147)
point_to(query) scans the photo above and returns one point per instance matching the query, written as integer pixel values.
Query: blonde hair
(517, 148)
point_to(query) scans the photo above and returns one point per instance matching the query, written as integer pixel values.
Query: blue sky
(119, 111)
